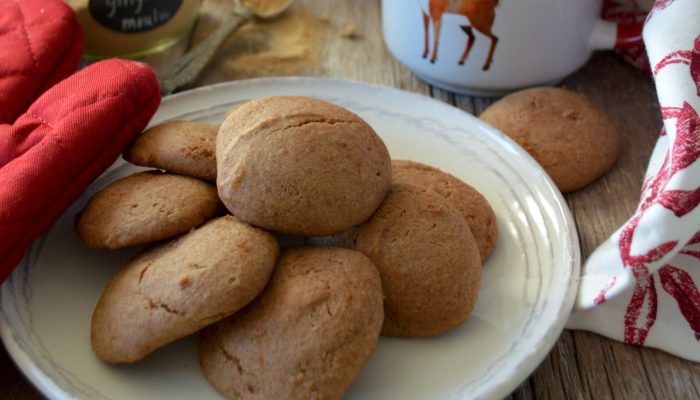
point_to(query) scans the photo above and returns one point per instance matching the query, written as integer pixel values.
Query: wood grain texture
(581, 365)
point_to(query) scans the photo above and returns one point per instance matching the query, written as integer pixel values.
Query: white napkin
(641, 285)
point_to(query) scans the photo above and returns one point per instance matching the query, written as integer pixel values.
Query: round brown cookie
(467, 200)
(569, 135)
(307, 336)
(179, 287)
(146, 207)
(427, 258)
(183, 147)
(300, 166)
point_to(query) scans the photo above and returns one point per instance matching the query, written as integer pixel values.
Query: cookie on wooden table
(181, 286)
(146, 207)
(569, 135)
(183, 147)
(307, 336)
(427, 258)
(467, 200)
(300, 166)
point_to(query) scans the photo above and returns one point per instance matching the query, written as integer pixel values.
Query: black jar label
(133, 15)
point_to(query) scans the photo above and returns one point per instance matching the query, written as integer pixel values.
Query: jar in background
(133, 28)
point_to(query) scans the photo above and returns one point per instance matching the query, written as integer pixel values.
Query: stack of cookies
(393, 248)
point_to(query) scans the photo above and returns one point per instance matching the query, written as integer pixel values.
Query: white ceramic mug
(490, 47)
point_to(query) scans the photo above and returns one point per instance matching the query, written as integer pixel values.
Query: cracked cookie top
(179, 287)
(301, 166)
(146, 207)
(183, 147)
(307, 336)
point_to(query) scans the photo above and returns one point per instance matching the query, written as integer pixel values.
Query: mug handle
(609, 35)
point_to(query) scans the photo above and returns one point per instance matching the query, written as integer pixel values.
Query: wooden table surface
(581, 365)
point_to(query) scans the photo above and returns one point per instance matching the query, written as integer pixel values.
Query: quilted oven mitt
(57, 132)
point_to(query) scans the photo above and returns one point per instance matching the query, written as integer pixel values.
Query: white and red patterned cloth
(641, 286)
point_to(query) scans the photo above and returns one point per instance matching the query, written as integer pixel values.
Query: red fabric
(40, 44)
(628, 13)
(53, 149)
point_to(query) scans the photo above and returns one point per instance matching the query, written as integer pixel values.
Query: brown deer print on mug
(480, 13)
(537, 42)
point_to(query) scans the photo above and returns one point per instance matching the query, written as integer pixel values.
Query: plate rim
(504, 386)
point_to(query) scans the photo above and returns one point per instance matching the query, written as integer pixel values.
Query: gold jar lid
(133, 28)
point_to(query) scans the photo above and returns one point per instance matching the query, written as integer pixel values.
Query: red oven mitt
(40, 44)
(51, 150)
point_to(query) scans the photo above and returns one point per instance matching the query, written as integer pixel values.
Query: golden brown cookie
(306, 336)
(427, 258)
(146, 207)
(467, 200)
(300, 166)
(183, 147)
(179, 287)
(569, 135)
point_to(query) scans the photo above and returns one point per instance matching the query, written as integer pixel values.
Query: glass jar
(133, 28)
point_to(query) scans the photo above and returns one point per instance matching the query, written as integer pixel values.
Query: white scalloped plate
(527, 292)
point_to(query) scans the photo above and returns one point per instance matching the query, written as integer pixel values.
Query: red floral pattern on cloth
(689, 57)
(641, 285)
(681, 286)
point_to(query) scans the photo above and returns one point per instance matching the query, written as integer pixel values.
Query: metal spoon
(193, 62)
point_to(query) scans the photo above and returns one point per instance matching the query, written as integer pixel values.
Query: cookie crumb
(349, 31)
(570, 114)
(244, 246)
